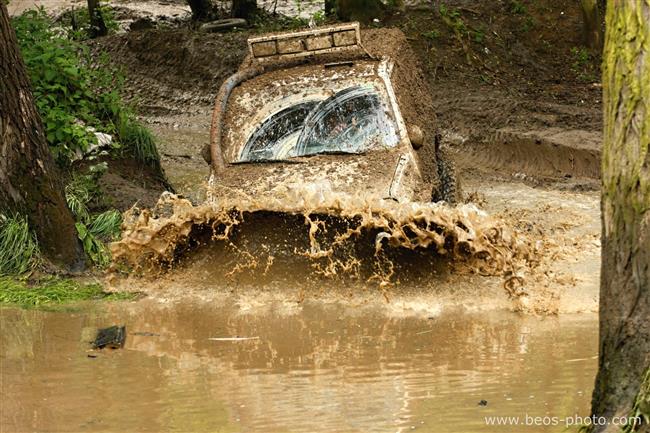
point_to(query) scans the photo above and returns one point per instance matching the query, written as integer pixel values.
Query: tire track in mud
(552, 153)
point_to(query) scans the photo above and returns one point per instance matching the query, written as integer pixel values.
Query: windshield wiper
(334, 152)
(268, 161)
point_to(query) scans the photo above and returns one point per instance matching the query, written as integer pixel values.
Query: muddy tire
(223, 25)
(448, 188)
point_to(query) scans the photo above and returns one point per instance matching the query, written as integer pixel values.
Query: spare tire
(222, 25)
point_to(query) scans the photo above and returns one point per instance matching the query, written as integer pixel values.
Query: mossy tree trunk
(625, 276)
(29, 181)
(591, 25)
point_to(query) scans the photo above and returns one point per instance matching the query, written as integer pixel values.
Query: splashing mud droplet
(337, 235)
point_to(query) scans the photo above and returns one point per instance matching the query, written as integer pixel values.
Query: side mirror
(416, 136)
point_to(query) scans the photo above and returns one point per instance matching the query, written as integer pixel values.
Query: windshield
(353, 120)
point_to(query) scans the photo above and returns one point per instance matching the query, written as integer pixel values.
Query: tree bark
(591, 26)
(625, 275)
(29, 180)
(97, 24)
(243, 8)
(201, 9)
(360, 10)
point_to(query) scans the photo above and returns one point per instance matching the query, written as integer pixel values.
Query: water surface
(313, 368)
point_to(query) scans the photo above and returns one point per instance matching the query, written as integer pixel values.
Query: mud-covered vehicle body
(330, 110)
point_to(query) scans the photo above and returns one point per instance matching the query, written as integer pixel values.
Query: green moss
(626, 84)
(53, 291)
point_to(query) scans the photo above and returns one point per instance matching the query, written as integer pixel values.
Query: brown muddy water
(309, 367)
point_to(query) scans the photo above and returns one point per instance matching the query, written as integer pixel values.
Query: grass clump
(94, 231)
(140, 142)
(53, 291)
(18, 247)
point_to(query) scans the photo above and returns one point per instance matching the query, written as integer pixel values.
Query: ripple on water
(320, 369)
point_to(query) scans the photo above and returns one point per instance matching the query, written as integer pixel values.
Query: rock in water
(112, 337)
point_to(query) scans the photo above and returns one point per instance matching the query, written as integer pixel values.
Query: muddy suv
(319, 109)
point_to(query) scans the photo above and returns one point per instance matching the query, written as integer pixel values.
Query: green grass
(18, 246)
(138, 140)
(53, 291)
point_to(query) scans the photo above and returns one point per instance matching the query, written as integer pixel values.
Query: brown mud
(518, 109)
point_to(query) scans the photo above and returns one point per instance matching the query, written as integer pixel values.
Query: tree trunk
(243, 8)
(97, 24)
(360, 10)
(591, 28)
(29, 180)
(201, 9)
(625, 275)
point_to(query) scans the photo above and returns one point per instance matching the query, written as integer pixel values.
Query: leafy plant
(79, 20)
(75, 94)
(18, 247)
(318, 18)
(102, 228)
(96, 250)
(517, 7)
(478, 36)
(95, 231)
(528, 24)
(84, 189)
(453, 19)
(432, 35)
(581, 65)
(53, 291)
(106, 225)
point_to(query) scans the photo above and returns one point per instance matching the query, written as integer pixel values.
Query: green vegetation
(641, 408)
(432, 35)
(453, 19)
(76, 95)
(528, 25)
(582, 64)
(79, 21)
(517, 7)
(100, 229)
(18, 246)
(94, 231)
(142, 143)
(53, 291)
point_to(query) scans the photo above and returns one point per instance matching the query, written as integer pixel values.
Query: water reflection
(320, 368)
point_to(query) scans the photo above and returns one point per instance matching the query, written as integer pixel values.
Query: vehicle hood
(321, 181)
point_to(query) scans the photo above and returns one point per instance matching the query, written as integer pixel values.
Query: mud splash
(342, 236)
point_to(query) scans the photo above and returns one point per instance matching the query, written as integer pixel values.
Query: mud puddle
(308, 367)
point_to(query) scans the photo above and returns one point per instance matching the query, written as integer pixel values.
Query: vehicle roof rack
(320, 40)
